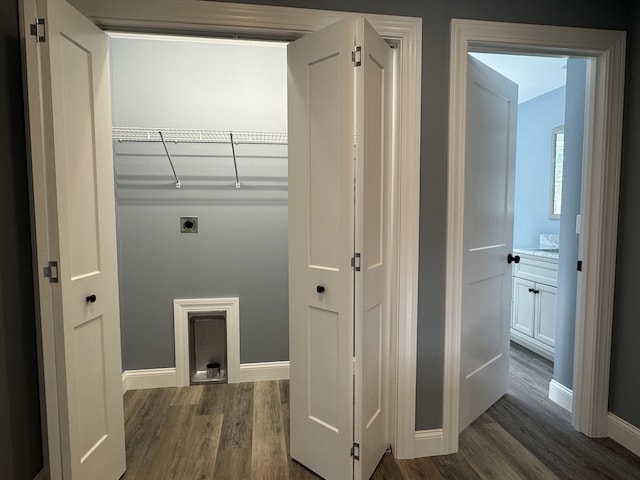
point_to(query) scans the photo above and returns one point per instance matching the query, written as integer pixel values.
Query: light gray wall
(240, 249)
(536, 120)
(20, 431)
(436, 16)
(571, 191)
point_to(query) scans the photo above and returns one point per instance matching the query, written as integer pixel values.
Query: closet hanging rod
(169, 157)
(135, 134)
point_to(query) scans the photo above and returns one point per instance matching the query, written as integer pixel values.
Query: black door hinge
(579, 266)
(355, 262)
(38, 31)
(356, 56)
(355, 451)
(51, 272)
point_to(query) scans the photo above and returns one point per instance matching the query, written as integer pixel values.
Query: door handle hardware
(534, 291)
(512, 259)
(91, 298)
(320, 289)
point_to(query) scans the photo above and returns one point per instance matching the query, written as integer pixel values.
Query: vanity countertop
(549, 254)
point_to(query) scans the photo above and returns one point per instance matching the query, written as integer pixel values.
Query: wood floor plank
(233, 463)
(269, 458)
(238, 417)
(213, 399)
(495, 454)
(187, 395)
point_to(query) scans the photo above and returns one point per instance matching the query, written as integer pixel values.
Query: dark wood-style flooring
(240, 431)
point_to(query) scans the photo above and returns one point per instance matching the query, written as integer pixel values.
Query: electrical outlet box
(188, 224)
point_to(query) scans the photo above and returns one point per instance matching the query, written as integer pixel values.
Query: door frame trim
(207, 18)
(600, 193)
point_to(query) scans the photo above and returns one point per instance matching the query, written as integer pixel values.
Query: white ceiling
(534, 75)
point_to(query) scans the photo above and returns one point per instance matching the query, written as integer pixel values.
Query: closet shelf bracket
(235, 163)
(171, 161)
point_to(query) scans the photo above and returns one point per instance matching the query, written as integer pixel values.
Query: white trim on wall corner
(148, 378)
(624, 433)
(561, 395)
(429, 443)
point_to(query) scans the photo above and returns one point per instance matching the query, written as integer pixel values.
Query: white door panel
(321, 243)
(373, 154)
(338, 204)
(72, 88)
(488, 227)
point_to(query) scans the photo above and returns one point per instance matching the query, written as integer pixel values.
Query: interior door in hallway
(488, 237)
(338, 203)
(70, 124)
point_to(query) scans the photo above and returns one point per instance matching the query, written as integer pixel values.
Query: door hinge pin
(38, 30)
(579, 265)
(355, 262)
(355, 451)
(51, 272)
(356, 56)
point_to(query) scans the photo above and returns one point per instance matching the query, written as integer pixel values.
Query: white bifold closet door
(340, 81)
(70, 128)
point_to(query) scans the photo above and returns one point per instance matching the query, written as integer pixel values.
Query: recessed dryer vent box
(188, 224)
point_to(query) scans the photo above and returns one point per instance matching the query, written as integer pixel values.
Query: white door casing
(339, 318)
(321, 216)
(373, 168)
(69, 112)
(601, 173)
(492, 102)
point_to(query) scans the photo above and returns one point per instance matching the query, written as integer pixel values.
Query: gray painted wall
(624, 394)
(571, 190)
(240, 249)
(20, 436)
(536, 120)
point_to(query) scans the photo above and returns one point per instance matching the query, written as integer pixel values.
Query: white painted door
(373, 151)
(336, 328)
(488, 230)
(69, 81)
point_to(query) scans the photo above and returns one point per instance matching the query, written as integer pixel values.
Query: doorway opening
(200, 133)
(546, 215)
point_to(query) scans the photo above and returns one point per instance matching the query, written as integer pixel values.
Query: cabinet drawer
(537, 270)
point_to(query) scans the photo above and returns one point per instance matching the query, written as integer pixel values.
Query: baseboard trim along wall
(167, 377)
(624, 433)
(561, 395)
(148, 378)
(429, 443)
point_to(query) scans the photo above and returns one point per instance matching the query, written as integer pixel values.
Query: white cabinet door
(338, 318)
(523, 306)
(545, 323)
(70, 117)
(488, 234)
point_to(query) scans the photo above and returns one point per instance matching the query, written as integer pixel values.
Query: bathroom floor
(241, 431)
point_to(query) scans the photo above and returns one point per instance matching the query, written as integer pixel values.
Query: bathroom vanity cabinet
(533, 308)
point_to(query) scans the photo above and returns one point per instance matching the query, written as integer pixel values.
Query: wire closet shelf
(174, 135)
(131, 134)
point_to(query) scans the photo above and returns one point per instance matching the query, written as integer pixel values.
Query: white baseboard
(256, 372)
(148, 378)
(166, 377)
(624, 433)
(429, 443)
(561, 395)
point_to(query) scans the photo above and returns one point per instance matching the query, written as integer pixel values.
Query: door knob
(512, 259)
(320, 289)
(91, 298)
